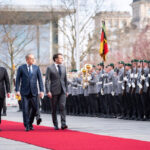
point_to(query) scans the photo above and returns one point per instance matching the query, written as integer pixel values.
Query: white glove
(149, 75)
(99, 83)
(89, 78)
(133, 85)
(140, 86)
(135, 75)
(102, 92)
(102, 75)
(129, 85)
(123, 88)
(105, 75)
(125, 78)
(147, 84)
(131, 75)
(112, 93)
(142, 77)
(85, 84)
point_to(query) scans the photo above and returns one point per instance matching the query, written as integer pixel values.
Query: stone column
(53, 38)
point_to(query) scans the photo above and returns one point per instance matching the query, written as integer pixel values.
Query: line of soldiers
(110, 92)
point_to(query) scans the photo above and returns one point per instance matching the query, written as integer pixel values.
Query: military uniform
(134, 88)
(81, 97)
(110, 92)
(144, 81)
(127, 86)
(93, 91)
(69, 98)
(87, 100)
(75, 98)
(100, 84)
(120, 101)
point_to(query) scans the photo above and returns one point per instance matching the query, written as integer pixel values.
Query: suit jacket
(55, 83)
(29, 84)
(4, 82)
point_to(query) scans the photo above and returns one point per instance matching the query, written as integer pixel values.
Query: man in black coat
(4, 87)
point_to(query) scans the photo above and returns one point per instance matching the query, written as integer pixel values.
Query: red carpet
(47, 137)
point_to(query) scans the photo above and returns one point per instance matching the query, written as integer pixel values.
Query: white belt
(75, 88)
(108, 83)
(120, 81)
(99, 83)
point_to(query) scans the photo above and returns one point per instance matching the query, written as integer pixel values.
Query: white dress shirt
(30, 68)
(56, 65)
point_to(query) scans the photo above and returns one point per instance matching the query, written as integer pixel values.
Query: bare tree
(13, 46)
(86, 28)
(141, 47)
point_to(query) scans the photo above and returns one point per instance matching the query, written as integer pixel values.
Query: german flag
(103, 45)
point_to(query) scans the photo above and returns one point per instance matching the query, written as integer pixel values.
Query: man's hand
(8, 95)
(67, 94)
(41, 95)
(18, 94)
(49, 94)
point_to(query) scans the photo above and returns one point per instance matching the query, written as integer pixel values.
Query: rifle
(103, 78)
(130, 91)
(125, 83)
(143, 81)
(134, 89)
(148, 89)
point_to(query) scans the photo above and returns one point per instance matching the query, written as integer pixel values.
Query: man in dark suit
(28, 75)
(4, 86)
(57, 89)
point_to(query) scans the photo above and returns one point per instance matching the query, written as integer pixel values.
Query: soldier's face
(134, 64)
(97, 71)
(110, 68)
(145, 64)
(98, 67)
(91, 70)
(127, 68)
(139, 64)
(120, 65)
(107, 69)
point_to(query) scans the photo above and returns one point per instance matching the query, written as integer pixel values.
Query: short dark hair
(55, 56)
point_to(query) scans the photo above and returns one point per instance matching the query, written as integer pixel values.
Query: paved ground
(112, 127)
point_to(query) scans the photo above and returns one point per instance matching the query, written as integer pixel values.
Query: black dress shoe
(27, 129)
(39, 121)
(56, 128)
(31, 128)
(64, 127)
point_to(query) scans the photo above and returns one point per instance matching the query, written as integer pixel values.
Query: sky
(117, 5)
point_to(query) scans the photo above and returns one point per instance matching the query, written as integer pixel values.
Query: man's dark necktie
(59, 70)
(30, 73)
